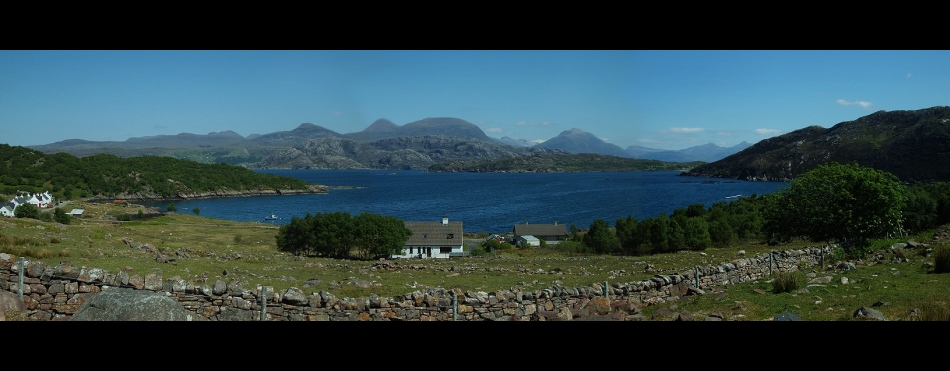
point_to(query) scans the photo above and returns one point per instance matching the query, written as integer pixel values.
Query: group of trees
(336, 234)
(31, 211)
(690, 228)
(844, 203)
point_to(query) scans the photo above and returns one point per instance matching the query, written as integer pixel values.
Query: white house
(40, 200)
(433, 240)
(7, 209)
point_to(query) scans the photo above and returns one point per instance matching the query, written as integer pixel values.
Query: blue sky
(663, 99)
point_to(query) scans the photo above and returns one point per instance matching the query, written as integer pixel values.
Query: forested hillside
(146, 177)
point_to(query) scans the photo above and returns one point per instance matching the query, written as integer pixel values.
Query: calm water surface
(490, 202)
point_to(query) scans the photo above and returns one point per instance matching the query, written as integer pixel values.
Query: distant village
(39, 200)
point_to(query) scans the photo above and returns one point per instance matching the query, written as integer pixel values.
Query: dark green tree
(171, 208)
(27, 211)
(296, 237)
(196, 210)
(644, 235)
(61, 216)
(720, 225)
(333, 234)
(844, 203)
(600, 238)
(659, 234)
(628, 235)
(676, 240)
(697, 235)
(378, 235)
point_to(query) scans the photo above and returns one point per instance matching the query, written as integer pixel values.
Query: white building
(433, 240)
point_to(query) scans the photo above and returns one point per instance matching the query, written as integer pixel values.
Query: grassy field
(896, 282)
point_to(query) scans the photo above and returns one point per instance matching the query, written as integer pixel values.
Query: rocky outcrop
(125, 304)
(144, 196)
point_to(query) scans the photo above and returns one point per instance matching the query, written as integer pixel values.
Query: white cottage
(433, 240)
(8, 209)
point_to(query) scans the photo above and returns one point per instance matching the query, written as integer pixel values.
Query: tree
(600, 238)
(379, 235)
(60, 216)
(196, 210)
(659, 234)
(27, 211)
(171, 208)
(697, 235)
(627, 234)
(847, 203)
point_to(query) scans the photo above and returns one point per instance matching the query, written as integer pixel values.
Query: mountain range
(382, 145)
(912, 144)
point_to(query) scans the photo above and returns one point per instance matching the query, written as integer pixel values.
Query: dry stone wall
(57, 292)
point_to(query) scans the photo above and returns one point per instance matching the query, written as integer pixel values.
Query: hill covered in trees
(137, 178)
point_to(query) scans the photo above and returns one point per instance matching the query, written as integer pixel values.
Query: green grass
(896, 282)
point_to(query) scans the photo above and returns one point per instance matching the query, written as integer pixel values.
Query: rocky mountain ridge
(914, 145)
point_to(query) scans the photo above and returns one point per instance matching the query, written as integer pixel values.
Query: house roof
(77, 212)
(434, 233)
(540, 230)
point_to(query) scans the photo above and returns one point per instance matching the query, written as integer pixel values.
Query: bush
(571, 247)
(942, 260)
(784, 282)
(837, 254)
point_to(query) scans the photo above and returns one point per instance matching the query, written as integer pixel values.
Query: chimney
(445, 220)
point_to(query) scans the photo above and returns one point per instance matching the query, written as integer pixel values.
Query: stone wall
(57, 292)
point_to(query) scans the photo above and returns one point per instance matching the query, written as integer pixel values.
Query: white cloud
(538, 141)
(863, 104)
(687, 130)
(766, 131)
(909, 75)
(494, 130)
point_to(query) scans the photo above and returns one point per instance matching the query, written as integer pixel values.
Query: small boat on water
(734, 196)
(271, 217)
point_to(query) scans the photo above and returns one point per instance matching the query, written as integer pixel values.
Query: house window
(410, 249)
(445, 250)
(450, 236)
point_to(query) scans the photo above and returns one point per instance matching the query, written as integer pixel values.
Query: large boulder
(10, 303)
(125, 304)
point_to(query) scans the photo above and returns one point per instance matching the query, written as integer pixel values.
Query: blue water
(484, 202)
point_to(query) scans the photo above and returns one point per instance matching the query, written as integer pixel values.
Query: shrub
(942, 260)
(571, 247)
(837, 253)
(784, 282)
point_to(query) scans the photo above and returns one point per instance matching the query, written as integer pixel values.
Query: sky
(660, 99)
